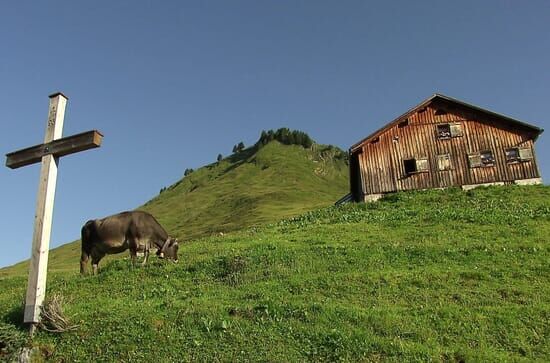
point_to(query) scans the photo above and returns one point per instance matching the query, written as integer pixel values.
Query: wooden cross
(48, 153)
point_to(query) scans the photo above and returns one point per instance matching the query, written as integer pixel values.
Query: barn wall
(381, 162)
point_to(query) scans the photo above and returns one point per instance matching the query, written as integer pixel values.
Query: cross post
(48, 154)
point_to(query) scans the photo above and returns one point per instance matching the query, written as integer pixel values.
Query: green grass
(250, 188)
(423, 276)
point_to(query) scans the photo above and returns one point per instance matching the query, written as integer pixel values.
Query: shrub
(53, 319)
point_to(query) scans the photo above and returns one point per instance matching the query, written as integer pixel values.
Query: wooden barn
(444, 142)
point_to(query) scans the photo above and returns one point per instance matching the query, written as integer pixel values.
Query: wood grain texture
(36, 288)
(381, 157)
(61, 147)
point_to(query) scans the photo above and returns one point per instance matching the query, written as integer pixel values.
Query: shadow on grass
(15, 317)
(13, 335)
(240, 158)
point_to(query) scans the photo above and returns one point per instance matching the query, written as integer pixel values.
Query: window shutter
(444, 162)
(456, 130)
(422, 165)
(475, 160)
(525, 153)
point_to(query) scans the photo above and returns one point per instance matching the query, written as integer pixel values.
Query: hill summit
(274, 179)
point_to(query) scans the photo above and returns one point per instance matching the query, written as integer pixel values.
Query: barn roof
(437, 97)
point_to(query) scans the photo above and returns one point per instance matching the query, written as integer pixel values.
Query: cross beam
(60, 147)
(48, 154)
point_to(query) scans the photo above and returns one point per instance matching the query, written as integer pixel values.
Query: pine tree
(220, 157)
(301, 138)
(307, 141)
(263, 137)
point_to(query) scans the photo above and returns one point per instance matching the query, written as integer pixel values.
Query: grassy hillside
(438, 275)
(249, 188)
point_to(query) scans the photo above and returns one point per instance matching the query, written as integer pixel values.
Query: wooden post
(48, 153)
(36, 289)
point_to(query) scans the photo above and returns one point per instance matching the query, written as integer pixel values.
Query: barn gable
(439, 104)
(443, 142)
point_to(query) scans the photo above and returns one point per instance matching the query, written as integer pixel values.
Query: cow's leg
(145, 253)
(95, 262)
(95, 267)
(84, 262)
(133, 247)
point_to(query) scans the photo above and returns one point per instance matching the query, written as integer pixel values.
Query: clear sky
(171, 84)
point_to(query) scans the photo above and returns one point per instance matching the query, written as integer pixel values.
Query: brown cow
(127, 230)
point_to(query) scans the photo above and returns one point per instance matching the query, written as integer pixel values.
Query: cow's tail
(86, 235)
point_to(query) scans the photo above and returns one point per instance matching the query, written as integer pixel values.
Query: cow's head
(169, 250)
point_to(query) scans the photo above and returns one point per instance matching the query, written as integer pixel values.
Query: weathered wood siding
(381, 162)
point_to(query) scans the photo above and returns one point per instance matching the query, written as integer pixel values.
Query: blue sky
(171, 84)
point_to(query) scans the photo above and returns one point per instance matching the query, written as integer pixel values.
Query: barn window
(447, 131)
(416, 165)
(512, 155)
(444, 162)
(487, 158)
(403, 123)
(518, 154)
(483, 158)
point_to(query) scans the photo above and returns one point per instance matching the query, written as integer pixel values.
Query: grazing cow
(127, 230)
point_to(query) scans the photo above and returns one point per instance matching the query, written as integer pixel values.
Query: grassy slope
(248, 189)
(436, 275)
(245, 189)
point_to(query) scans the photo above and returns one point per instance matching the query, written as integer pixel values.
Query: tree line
(285, 136)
